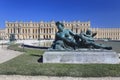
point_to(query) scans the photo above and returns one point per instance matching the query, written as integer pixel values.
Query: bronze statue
(65, 39)
(87, 41)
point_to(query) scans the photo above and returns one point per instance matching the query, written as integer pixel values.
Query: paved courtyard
(6, 54)
(19, 77)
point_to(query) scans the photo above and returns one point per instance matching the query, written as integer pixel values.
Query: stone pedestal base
(81, 56)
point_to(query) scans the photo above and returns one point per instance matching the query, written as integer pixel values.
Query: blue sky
(101, 13)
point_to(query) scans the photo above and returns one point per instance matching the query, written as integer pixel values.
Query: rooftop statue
(65, 39)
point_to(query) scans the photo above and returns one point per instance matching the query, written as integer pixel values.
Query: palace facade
(46, 30)
(41, 30)
(107, 33)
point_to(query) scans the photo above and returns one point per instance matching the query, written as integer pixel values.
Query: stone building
(46, 30)
(41, 30)
(2, 34)
(107, 33)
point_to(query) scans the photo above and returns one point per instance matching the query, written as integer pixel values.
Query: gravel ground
(19, 77)
(6, 54)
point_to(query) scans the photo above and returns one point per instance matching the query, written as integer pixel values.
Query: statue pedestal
(82, 56)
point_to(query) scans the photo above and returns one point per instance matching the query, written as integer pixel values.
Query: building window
(25, 30)
(14, 30)
(76, 30)
(28, 30)
(52, 30)
(33, 30)
(8, 30)
(36, 36)
(33, 36)
(41, 31)
(49, 36)
(44, 30)
(49, 30)
(18, 30)
(84, 30)
(36, 30)
(44, 36)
